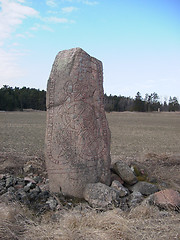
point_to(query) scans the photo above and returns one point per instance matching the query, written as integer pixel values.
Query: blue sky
(138, 42)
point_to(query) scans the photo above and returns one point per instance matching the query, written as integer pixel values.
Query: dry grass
(136, 134)
(12, 224)
(22, 133)
(133, 134)
(141, 223)
(151, 139)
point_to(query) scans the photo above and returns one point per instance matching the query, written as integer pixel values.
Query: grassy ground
(142, 223)
(133, 134)
(22, 133)
(137, 134)
(149, 139)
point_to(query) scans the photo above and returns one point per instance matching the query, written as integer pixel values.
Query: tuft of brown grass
(141, 223)
(11, 224)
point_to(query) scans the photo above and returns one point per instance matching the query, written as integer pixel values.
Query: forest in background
(149, 103)
(14, 99)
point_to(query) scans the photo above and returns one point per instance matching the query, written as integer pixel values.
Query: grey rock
(2, 183)
(11, 190)
(125, 172)
(148, 201)
(22, 196)
(38, 179)
(135, 198)
(28, 168)
(2, 190)
(20, 182)
(99, 195)
(119, 187)
(52, 203)
(44, 195)
(27, 188)
(37, 189)
(145, 188)
(28, 179)
(2, 186)
(2, 176)
(10, 181)
(124, 205)
(31, 185)
(33, 195)
(116, 177)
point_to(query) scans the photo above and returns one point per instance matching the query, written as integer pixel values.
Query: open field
(133, 134)
(149, 139)
(22, 133)
(137, 134)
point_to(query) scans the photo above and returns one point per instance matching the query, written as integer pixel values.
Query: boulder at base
(125, 172)
(119, 187)
(99, 195)
(167, 199)
(144, 188)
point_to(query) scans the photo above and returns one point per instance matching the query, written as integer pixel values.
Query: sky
(138, 42)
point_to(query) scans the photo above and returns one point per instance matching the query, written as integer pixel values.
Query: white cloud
(87, 2)
(69, 9)
(37, 27)
(51, 3)
(53, 12)
(11, 15)
(91, 3)
(47, 28)
(58, 20)
(15, 44)
(9, 69)
(19, 35)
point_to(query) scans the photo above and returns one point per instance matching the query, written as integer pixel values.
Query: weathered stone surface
(167, 199)
(135, 198)
(119, 187)
(115, 177)
(125, 172)
(139, 171)
(100, 195)
(144, 188)
(77, 134)
(52, 203)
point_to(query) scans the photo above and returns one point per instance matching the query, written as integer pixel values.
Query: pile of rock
(29, 191)
(126, 191)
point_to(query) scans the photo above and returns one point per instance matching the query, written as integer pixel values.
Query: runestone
(77, 134)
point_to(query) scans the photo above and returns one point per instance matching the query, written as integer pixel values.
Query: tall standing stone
(77, 133)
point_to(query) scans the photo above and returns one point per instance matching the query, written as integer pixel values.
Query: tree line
(12, 99)
(147, 104)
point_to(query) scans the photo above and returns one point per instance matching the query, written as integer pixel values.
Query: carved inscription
(77, 134)
(76, 128)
